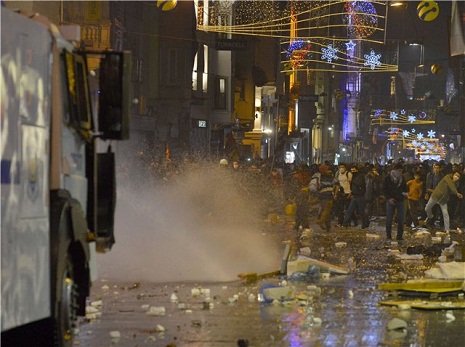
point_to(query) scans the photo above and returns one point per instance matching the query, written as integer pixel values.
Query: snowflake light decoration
(420, 136)
(372, 60)
(412, 118)
(393, 115)
(415, 143)
(329, 53)
(405, 133)
(431, 134)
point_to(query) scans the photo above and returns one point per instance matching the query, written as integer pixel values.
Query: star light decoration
(329, 53)
(350, 46)
(372, 60)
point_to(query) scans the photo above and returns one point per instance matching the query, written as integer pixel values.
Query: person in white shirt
(343, 177)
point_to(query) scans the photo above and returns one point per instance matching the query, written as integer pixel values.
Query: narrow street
(325, 310)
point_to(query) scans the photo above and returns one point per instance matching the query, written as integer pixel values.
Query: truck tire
(65, 316)
(64, 293)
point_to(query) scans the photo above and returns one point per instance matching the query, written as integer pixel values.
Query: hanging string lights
(334, 29)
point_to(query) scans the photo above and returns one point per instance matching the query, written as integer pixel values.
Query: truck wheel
(66, 305)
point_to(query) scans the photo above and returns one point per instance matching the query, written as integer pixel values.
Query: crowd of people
(411, 195)
(408, 195)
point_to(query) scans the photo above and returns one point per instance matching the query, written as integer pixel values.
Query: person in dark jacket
(326, 196)
(357, 197)
(373, 187)
(432, 180)
(395, 190)
(300, 185)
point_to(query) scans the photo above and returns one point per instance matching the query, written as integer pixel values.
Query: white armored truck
(58, 120)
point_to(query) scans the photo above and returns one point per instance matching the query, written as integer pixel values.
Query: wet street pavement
(334, 310)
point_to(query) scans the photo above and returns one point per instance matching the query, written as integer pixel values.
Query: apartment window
(220, 93)
(169, 67)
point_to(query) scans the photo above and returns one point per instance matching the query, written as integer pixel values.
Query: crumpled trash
(271, 292)
(404, 256)
(396, 324)
(435, 250)
(451, 270)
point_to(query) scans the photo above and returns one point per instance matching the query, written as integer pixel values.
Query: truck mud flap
(106, 201)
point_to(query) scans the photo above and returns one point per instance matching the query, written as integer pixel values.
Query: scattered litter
(426, 305)
(396, 324)
(372, 236)
(351, 293)
(450, 270)
(156, 311)
(450, 316)
(91, 309)
(96, 303)
(404, 307)
(273, 292)
(160, 328)
(105, 287)
(150, 339)
(174, 297)
(404, 256)
(305, 251)
(251, 298)
(115, 335)
(301, 264)
(196, 323)
(195, 292)
(340, 244)
(394, 251)
(449, 251)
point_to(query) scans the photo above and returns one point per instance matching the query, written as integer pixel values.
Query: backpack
(314, 184)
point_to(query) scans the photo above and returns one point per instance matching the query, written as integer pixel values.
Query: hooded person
(395, 190)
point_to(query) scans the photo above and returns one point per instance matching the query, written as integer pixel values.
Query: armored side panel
(25, 121)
